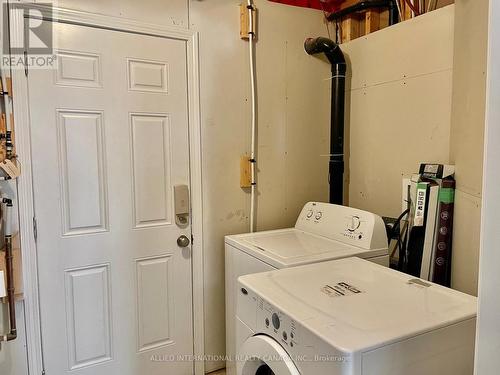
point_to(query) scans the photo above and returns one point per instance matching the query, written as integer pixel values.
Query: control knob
(276, 321)
(354, 224)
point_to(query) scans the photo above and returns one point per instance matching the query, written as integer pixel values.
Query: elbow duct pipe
(336, 58)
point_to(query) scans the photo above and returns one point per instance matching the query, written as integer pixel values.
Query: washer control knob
(276, 321)
(309, 214)
(354, 224)
(319, 215)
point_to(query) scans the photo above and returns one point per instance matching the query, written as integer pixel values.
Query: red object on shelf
(326, 5)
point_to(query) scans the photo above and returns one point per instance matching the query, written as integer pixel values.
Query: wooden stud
(3, 124)
(8, 82)
(245, 172)
(361, 26)
(384, 19)
(349, 28)
(408, 14)
(245, 21)
(372, 21)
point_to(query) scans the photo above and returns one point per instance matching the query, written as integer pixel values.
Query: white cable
(254, 125)
(398, 5)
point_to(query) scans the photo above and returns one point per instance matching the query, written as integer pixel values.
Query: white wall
(400, 107)
(161, 12)
(13, 357)
(418, 94)
(293, 113)
(488, 334)
(466, 142)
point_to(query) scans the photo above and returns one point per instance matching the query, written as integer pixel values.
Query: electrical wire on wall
(253, 162)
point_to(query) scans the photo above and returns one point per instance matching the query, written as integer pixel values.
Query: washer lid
(297, 243)
(291, 247)
(357, 305)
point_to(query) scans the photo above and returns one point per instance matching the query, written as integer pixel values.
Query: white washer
(352, 317)
(322, 232)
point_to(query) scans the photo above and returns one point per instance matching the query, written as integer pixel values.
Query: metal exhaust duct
(335, 56)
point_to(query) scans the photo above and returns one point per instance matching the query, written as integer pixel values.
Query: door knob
(183, 241)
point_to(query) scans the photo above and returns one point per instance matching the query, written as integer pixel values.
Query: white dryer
(322, 232)
(352, 317)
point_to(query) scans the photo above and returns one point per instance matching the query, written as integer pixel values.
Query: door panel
(109, 133)
(88, 315)
(155, 302)
(83, 179)
(151, 145)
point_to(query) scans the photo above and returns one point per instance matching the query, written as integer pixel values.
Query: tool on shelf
(9, 170)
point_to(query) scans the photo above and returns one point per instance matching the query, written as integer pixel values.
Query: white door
(109, 132)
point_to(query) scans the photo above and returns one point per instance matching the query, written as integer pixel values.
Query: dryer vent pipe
(336, 58)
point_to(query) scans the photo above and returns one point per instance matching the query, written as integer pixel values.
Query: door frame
(489, 279)
(25, 181)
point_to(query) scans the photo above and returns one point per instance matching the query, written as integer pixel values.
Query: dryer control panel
(302, 345)
(278, 325)
(344, 224)
(261, 316)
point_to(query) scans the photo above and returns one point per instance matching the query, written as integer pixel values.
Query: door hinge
(35, 231)
(192, 240)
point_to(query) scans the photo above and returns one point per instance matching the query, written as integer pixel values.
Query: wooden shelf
(363, 23)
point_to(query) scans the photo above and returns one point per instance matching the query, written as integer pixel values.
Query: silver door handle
(183, 241)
